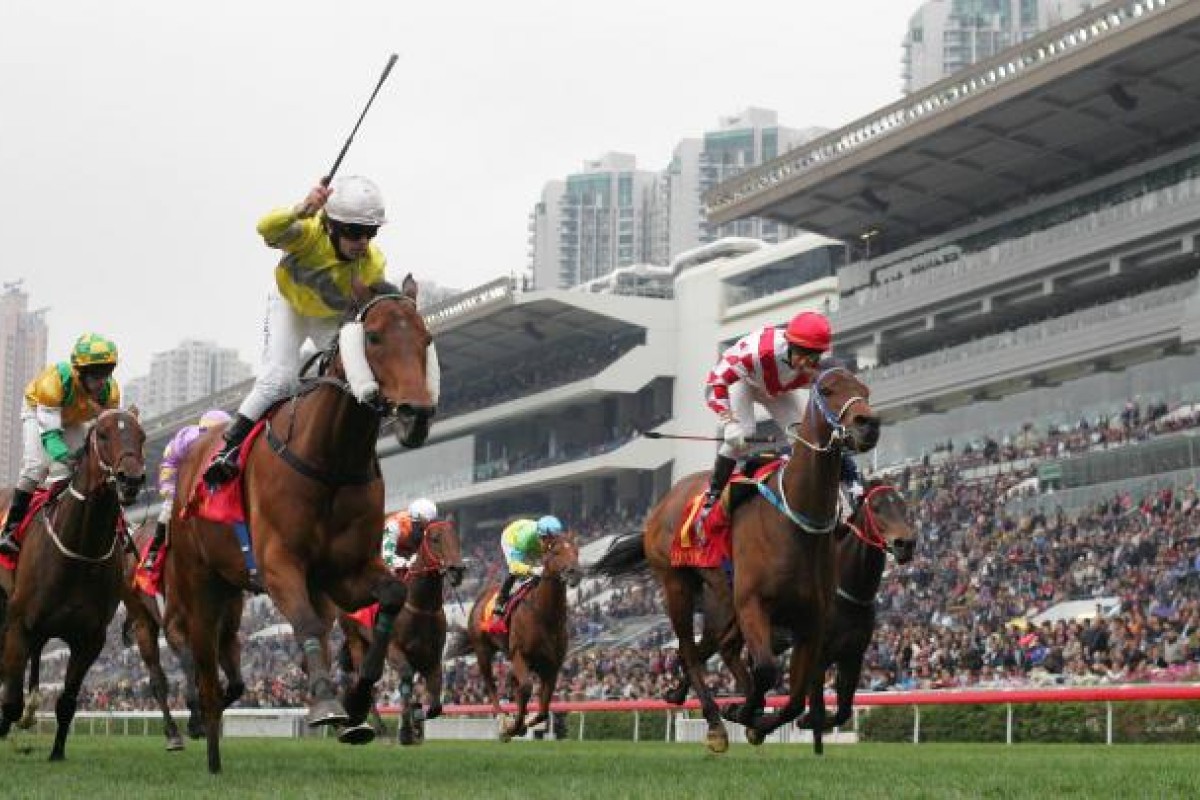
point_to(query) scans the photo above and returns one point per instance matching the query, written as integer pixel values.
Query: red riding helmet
(809, 330)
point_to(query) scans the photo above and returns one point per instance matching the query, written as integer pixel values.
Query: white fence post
(1108, 735)
(1008, 712)
(916, 724)
(636, 725)
(582, 720)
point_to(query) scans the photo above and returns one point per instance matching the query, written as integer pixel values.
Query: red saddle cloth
(488, 623)
(713, 544)
(149, 581)
(40, 498)
(222, 503)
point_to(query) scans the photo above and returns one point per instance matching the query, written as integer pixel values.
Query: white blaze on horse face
(353, 345)
(433, 374)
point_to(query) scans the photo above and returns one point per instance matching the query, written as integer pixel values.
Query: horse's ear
(135, 412)
(409, 287)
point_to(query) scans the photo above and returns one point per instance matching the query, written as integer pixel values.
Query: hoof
(357, 734)
(754, 737)
(717, 739)
(174, 743)
(406, 735)
(195, 729)
(327, 712)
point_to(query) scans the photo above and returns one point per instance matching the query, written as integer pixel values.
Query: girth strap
(280, 448)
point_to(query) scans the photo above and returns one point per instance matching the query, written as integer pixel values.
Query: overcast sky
(141, 141)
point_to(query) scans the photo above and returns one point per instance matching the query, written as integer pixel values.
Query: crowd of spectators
(962, 613)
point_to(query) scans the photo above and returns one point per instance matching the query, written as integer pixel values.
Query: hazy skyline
(142, 141)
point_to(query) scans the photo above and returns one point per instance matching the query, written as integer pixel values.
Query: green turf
(137, 767)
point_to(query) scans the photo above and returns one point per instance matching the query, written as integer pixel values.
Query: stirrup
(223, 468)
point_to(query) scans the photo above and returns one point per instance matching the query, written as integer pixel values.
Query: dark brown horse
(536, 643)
(313, 496)
(68, 581)
(880, 526)
(782, 557)
(420, 633)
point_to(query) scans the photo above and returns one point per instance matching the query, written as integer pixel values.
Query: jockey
(328, 261)
(168, 472)
(404, 530)
(59, 404)
(521, 543)
(765, 367)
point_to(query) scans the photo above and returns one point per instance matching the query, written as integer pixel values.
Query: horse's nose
(866, 430)
(456, 575)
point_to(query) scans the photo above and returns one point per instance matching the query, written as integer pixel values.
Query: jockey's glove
(537, 571)
(733, 435)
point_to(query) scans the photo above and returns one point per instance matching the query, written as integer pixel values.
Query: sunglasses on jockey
(802, 357)
(352, 230)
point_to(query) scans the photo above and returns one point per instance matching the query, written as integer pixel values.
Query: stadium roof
(497, 321)
(1115, 84)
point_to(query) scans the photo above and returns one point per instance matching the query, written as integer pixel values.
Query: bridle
(111, 478)
(838, 432)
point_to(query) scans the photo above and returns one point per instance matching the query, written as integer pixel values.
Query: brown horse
(144, 622)
(880, 526)
(68, 580)
(313, 496)
(782, 557)
(536, 643)
(420, 632)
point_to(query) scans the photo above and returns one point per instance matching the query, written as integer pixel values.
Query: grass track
(137, 767)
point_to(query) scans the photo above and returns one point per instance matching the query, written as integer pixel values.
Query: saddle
(714, 546)
(42, 496)
(225, 504)
(519, 592)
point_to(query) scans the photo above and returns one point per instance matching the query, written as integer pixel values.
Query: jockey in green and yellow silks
(522, 544)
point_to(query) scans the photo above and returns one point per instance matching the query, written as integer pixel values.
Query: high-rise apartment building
(945, 36)
(740, 142)
(184, 374)
(593, 222)
(614, 215)
(23, 338)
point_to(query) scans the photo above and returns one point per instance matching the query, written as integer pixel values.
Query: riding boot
(17, 510)
(160, 535)
(224, 467)
(721, 472)
(501, 606)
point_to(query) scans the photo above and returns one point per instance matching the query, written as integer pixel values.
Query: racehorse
(880, 526)
(68, 580)
(536, 643)
(420, 633)
(313, 497)
(144, 622)
(782, 554)
(783, 551)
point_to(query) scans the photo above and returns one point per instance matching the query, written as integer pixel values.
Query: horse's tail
(458, 644)
(625, 556)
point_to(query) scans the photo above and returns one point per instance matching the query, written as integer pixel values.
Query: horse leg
(16, 653)
(390, 593)
(406, 734)
(229, 654)
(803, 682)
(547, 681)
(764, 672)
(678, 592)
(34, 701)
(145, 634)
(848, 674)
(203, 619)
(483, 656)
(288, 587)
(84, 651)
(522, 680)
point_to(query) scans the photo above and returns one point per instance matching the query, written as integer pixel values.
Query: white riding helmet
(422, 509)
(356, 201)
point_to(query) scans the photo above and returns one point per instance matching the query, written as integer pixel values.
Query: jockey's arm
(283, 228)
(49, 420)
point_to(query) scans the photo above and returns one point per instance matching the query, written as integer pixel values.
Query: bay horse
(313, 497)
(420, 632)
(782, 553)
(880, 526)
(68, 580)
(536, 643)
